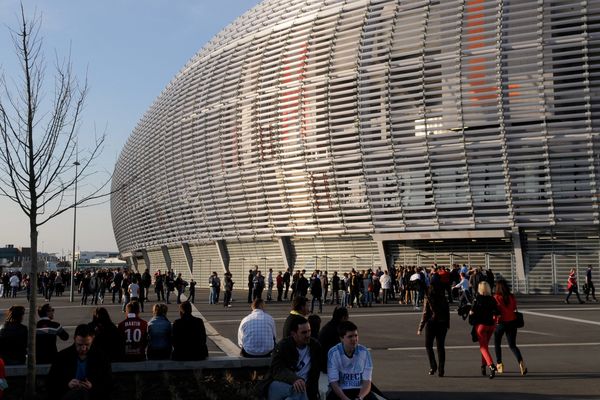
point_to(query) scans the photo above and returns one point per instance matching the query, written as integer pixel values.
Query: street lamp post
(72, 293)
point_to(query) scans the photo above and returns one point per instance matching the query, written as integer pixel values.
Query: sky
(129, 50)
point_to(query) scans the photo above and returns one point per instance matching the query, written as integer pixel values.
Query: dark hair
(503, 290)
(258, 303)
(185, 308)
(345, 327)
(339, 314)
(43, 310)
(299, 302)
(133, 307)
(101, 317)
(15, 314)
(84, 330)
(315, 325)
(296, 322)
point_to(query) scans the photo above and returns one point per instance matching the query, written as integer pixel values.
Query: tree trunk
(30, 388)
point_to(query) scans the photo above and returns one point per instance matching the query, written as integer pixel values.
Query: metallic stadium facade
(338, 134)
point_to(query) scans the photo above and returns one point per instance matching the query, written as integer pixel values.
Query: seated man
(77, 372)
(189, 336)
(256, 334)
(296, 365)
(349, 367)
(134, 332)
(46, 332)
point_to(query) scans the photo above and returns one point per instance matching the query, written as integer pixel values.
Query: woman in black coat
(436, 321)
(13, 337)
(482, 316)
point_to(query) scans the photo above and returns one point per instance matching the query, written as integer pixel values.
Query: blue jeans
(284, 391)
(212, 298)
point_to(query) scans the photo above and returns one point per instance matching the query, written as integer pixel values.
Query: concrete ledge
(162, 365)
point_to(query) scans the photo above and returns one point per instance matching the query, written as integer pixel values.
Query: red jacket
(507, 311)
(572, 281)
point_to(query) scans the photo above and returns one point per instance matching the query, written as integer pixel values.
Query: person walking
(316, 291)
(507, 323)
(482, 317)
(590, 285)
(572, 286)
(436, 321)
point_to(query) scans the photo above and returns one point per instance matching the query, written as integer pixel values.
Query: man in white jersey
(349, 367)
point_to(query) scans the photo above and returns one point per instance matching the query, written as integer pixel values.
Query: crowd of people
(306, 351)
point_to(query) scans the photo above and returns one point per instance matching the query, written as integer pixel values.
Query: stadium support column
(520, 278)
(223, 254)
(167, 257)
(287, 252)
(383, 259)
(133, 261)
(188, 257)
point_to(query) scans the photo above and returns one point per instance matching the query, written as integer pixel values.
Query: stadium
(360, 134)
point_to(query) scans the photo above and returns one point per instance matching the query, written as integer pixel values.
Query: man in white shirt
(256, 334)
(14, 284)
(349, 367)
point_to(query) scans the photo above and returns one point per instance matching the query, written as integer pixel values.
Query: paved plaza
(560, 344)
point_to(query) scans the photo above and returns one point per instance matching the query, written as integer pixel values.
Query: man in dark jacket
(47, 330)
(295, 365)
(189, 336)
(78, 372)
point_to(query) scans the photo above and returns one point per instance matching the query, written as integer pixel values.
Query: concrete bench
(162, 365)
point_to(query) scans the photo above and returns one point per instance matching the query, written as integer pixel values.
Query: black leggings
(511, 337)
(436, 330)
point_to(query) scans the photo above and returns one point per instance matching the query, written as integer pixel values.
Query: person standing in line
(436, 321)
(316, 291)
(335, 288)
(259, 285)
(286, 283)
(325, 285)
(572, 286)
(228, 286)
(386, 286)
(279, 285)
(250, 286)
(482, 316)
(14, 285)
(192, 297)
(590, 285)
(507, 323)
(349, 367)
(270, 284)
(256, 333)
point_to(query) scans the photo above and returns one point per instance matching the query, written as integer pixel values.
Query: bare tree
(38, 148)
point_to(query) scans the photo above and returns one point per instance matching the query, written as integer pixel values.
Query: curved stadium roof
(328, 117)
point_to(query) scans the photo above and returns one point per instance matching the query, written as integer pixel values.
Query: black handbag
(519, 322)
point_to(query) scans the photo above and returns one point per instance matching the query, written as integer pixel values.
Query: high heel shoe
(523, 368)
(492, 371)
(432, 371)
(500, 368)
(483, 372)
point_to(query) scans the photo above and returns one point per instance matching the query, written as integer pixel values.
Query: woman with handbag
(482, 316)
(507, 323)
(436, 321)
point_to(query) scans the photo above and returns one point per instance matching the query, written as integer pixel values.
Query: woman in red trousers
(482, 316)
